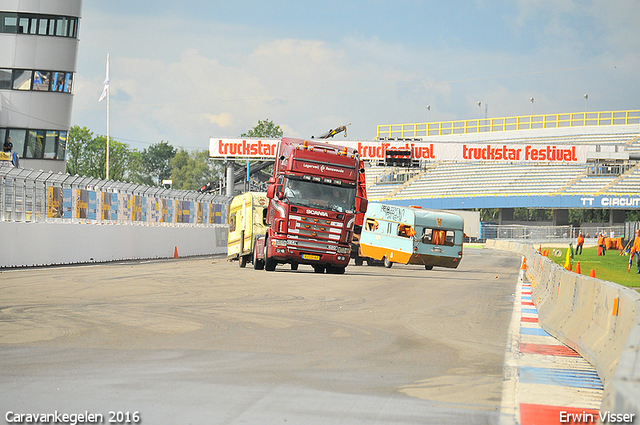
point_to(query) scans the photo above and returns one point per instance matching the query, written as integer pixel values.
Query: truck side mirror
(364, 204)
(271, 191)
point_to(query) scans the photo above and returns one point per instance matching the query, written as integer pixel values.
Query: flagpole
(108, 100)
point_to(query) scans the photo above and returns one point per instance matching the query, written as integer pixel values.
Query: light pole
(531, 100)
(428, 119)
(586, 99)
(531, 114)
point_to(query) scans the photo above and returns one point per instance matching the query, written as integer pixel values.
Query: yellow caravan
(412, 235)
(247, 214)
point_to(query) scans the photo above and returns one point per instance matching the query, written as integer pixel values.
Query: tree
(152, 165)
(78, 139)
(192, 170)
(158, 160)
(87, 155)
(266, 129)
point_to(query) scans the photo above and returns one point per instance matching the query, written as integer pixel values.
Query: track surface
(203, 341)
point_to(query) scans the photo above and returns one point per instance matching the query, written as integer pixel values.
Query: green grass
(611, 267)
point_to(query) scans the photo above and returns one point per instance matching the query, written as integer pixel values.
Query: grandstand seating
(628, 183)
(464, 178)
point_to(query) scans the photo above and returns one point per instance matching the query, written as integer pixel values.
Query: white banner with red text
(422, 150)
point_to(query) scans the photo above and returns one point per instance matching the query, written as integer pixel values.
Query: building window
(23, 26)
(21, 79)
(68, 83)
(50, 143)
(58, 82)
(41, 80)
(5, 79)
(17, 139)
(8, 22)
(36, 144)
(24, 79)
(35, 24)
(62, 145)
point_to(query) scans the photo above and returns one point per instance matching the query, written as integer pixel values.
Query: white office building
(38, 56)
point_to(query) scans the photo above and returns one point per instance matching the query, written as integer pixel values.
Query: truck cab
(313, 202)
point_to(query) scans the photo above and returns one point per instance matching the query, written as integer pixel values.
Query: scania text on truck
(313, 203)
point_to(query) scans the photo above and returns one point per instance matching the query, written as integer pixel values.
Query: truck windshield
(317, 195)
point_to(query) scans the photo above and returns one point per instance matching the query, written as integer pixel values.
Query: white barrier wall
(599, 319)
(36, 244)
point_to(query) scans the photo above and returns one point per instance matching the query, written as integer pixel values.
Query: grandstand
(609, 167)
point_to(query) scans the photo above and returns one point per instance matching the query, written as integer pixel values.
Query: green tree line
(189, 170)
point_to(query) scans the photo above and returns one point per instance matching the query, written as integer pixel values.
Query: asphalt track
(201, 341)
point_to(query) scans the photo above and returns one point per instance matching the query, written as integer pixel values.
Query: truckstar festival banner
(434, 151)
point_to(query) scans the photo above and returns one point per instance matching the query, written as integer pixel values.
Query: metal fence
(526, 122)
(631, 227)
(37, 196)
(541, 234)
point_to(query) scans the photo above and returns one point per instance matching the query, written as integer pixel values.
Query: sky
(183, 72)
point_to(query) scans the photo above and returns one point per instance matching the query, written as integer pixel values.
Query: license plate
(310, 257)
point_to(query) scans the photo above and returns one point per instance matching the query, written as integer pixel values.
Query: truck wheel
(243, 261)
(257, 264)
(339, 270)
(358, 261)
(428, 267)
(318, 269)
(269, 264)
(294, 266)
(386, 262)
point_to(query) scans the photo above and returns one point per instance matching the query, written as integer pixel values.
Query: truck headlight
(279, 242)
(343, 250)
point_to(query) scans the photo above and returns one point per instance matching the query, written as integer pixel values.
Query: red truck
(315, 196)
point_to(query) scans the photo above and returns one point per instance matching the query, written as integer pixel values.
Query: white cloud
(185, 83)
(223, 120)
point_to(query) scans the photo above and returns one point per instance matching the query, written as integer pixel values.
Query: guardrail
(525, 122)
(37, 196)
(599, 319)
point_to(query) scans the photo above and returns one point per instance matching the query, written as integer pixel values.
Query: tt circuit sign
(630, 202)
(437, 151)
(610, 201)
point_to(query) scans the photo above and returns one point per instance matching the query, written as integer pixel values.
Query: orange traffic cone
(592, 273)
(524, 264)
(578, 268)
(175, 253)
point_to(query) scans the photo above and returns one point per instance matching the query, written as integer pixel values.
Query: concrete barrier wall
(38, 244)
(599, 319)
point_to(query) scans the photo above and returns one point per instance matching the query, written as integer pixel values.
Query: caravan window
(438, 237)
(371, 225)
(232, 223)
(405, 231)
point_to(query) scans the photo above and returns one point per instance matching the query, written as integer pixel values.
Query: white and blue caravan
(412, 235)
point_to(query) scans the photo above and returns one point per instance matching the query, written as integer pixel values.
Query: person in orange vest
(635, 250)
(579, 243)
(601, 247)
